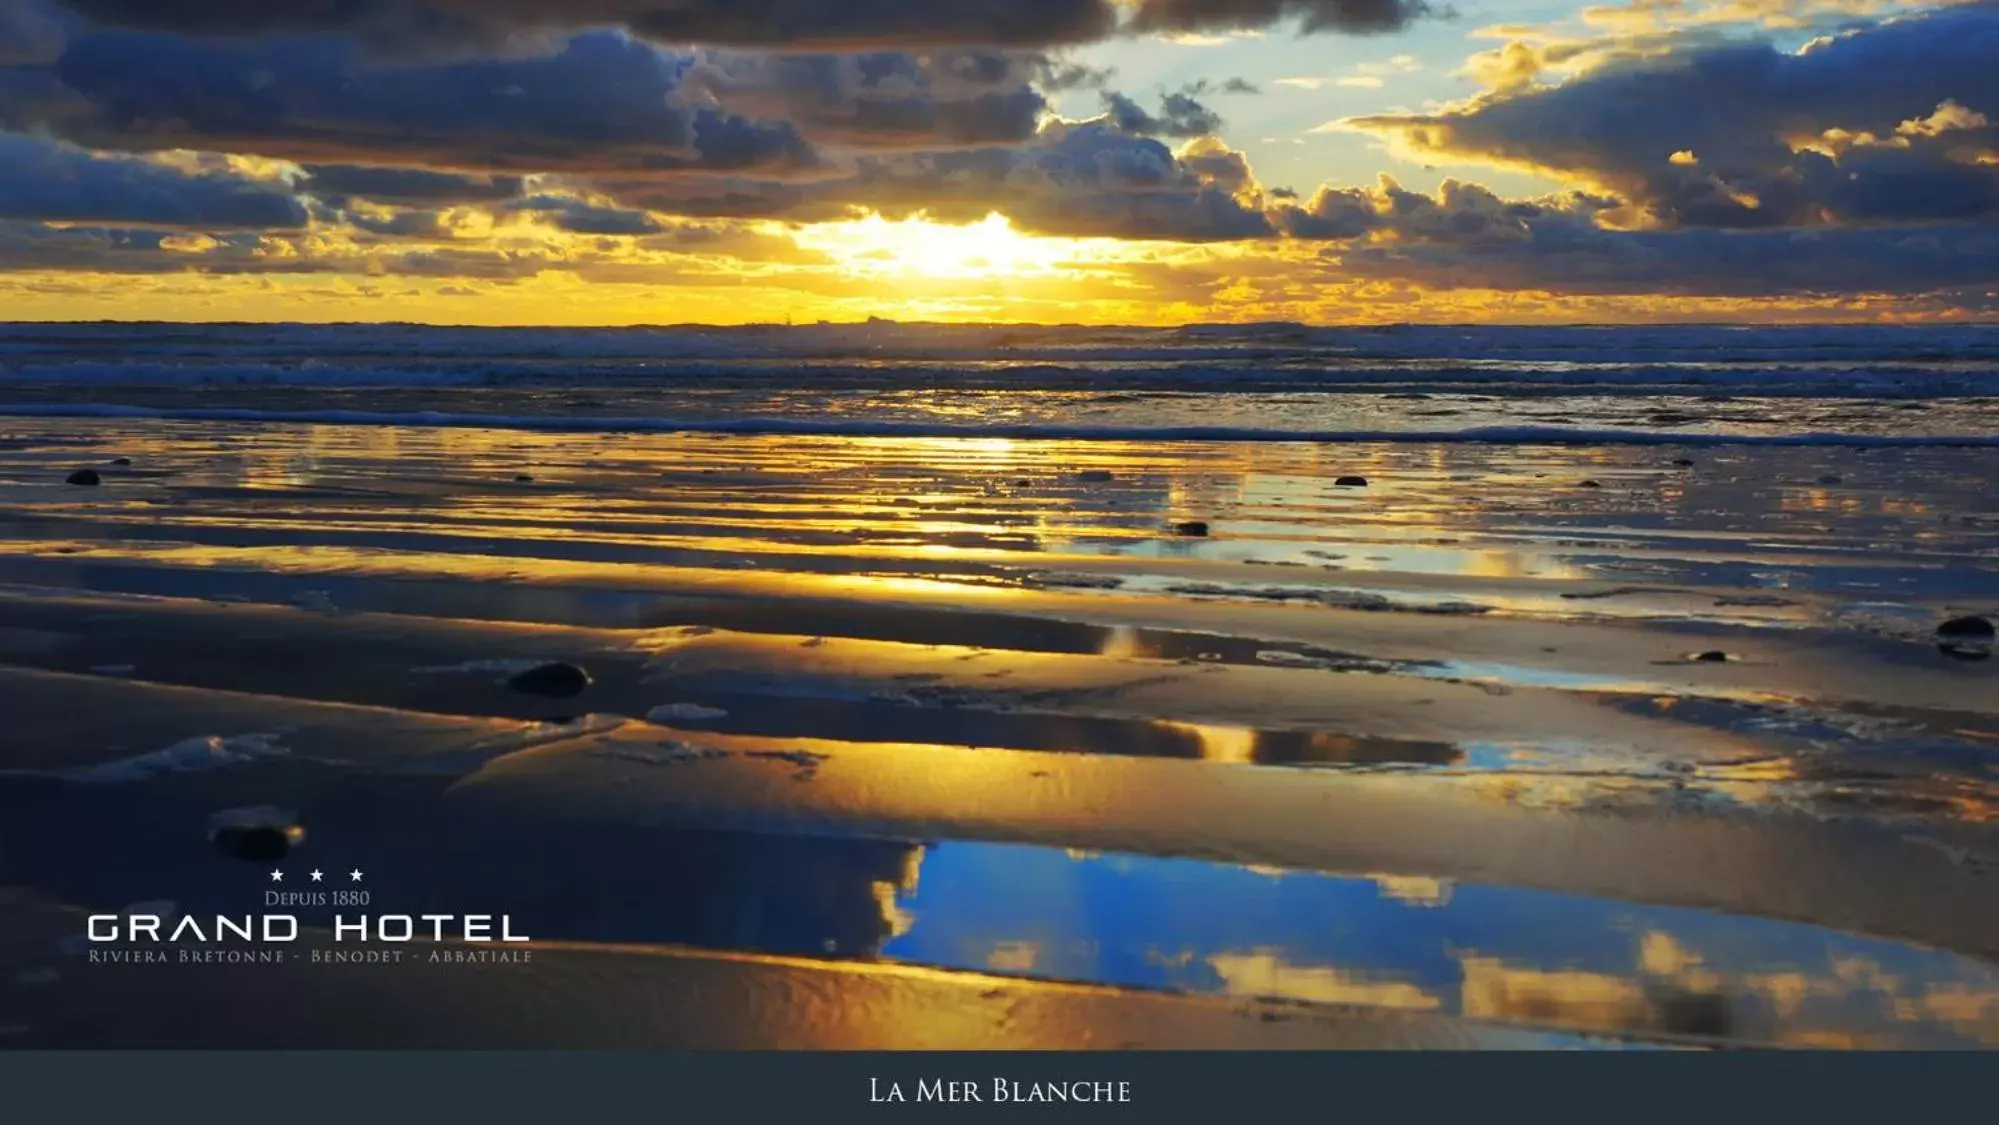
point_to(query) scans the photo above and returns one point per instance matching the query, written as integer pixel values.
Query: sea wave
(1288, 375)
(1853, 360)
(829, 427)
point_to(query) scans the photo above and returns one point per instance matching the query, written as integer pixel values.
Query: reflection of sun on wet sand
(1289, 781)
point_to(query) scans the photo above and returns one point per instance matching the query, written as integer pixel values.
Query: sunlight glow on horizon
(924, 248)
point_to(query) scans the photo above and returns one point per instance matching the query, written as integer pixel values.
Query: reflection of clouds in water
(1414, 890)
(1424, 943)
(1013, 957)
(1494, 990)
(1673, 989)
(1264, 973)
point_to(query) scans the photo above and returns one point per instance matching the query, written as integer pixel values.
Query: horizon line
(1358, 326)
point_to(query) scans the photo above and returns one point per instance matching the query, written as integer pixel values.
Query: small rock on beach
(259, 833)
(1966, 638)
(557, 680)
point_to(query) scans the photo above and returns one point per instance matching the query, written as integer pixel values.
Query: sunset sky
(1104, 161)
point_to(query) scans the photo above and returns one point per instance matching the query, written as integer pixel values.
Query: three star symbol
(318, 876)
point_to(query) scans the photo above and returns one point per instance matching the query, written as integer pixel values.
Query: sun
(919, 247)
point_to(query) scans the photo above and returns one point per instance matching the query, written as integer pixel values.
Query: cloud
(405, 185)
(1783, 15)
(48, 180)
(28, 246)
(599, 100)
(28, 34)
(1179, 116)
(1351, 16)
(1202, 87)
(1082, 179)
(1467, 237)
(579, 216)
(1846, 132)
(793, 24)
(1059, 75)
(882, 99)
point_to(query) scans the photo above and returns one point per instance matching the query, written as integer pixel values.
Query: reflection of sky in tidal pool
(1484, 952)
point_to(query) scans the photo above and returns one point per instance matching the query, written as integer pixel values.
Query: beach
(1006, 688)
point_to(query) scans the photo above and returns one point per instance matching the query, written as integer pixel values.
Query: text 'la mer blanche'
(1000, 1090)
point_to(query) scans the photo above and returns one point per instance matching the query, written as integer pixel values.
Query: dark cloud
(579, 216)
(1179, 116)
(1884, 124)
(1460, 214)
(26, 246)
(44, 179)
(28, 33)
(405, 185)
(1058, 76)
(601, 100)
(793, 24)
(882, 99)
(1467, 237)
(415, 224)
(1563, 252)
(1202, 87)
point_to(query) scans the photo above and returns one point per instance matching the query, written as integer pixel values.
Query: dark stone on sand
(523, 478)
(1350, 482)
(1966, 638)
(1022, 483)
(1096, 476)
(1829, 479)
(121, 461)
(1711, 656)
(1683, 462)
(1190, 527)
(259, 834)
(84, 476)
(558, 680)
(1588, 484)
(1966, 628)
(258, 844)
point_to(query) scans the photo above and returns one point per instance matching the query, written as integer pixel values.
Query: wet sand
(899, 742)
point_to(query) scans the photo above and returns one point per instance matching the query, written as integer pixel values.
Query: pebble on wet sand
(1097, 476)
(1351, 482)
(1966, 638)
(1683, 462)
(1588, 484)
(558, 680)
(121, 461)
(84, 476)
(1190, 527)
(1712, 656)
(523, 478)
